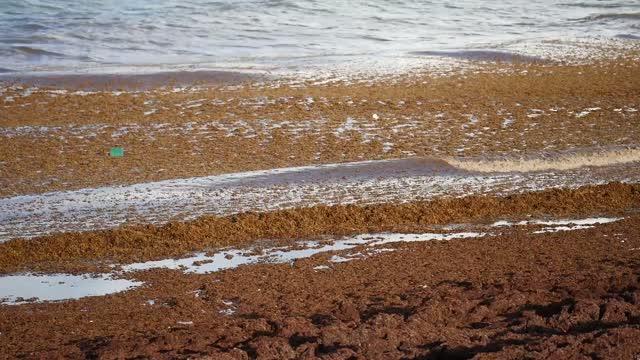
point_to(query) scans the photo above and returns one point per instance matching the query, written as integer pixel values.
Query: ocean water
(61, 35)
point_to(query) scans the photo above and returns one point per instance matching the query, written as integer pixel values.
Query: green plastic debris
(116, 152)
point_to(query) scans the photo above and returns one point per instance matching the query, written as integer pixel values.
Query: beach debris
(116, 152)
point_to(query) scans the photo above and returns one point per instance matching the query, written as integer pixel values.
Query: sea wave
(28, 50)
(480, 55)
(228, 34)
(611, 16)
(628, 36)
(600, 5)
(555, 162)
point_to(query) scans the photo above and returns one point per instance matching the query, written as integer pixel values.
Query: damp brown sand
(566, 295)
(507, 109)
(91, 250)
(131, 82)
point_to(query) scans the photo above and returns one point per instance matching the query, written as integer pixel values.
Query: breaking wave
(558, 162)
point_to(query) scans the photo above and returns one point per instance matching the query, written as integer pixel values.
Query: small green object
(116, 152)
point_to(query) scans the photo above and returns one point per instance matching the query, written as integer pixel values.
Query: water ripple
(215, 32)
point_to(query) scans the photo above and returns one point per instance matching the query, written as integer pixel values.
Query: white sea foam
(559, 222)
(566, 162)
(367, 182)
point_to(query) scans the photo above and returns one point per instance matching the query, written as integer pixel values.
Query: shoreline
(320, 180)
(87, 249)
(360, 183)
(506, 110)
(570, 51)
(152, 78)
(454, 214)
(129, 81)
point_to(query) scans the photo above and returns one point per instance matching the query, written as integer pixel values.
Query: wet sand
(502, 221)
(60, 140)
(360, 183)
(553, 296)
(91, 249)
(129, 82)
(484, 55)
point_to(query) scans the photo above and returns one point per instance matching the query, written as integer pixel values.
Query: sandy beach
(509, 109)
(489, 212)
(548, 295)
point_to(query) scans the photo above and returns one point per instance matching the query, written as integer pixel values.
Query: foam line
(563, 162)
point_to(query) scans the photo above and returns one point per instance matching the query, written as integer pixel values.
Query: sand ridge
(84, 250)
